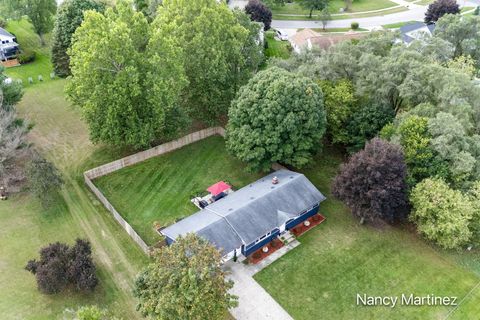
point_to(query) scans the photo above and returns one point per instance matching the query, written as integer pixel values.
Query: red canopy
(218, 188)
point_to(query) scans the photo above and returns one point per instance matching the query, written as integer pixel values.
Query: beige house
(307, 39)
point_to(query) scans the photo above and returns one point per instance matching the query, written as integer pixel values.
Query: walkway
(254, 302)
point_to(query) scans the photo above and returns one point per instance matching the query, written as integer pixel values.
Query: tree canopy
(126, 77)
(373, 182)
(277, 117)
(441, 214)
(68, 19)
(185, 281)
(61, 265)
(259, 12)
(439, 8)
(45, 180)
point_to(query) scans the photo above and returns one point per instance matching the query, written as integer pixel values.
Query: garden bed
(312, 222)
(259, 255)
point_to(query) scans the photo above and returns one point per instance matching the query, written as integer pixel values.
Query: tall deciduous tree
(441, 214)
(440, 8)
(68, 19)
(277, 117)
(312, 5)
(259, 12)
(39, 12)
(185, 281)
(127, 77)
(212, 43)
(373, 182)
(45, 180)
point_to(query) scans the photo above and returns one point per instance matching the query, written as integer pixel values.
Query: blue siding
(168, 240)
(252, 247)
(303, 217)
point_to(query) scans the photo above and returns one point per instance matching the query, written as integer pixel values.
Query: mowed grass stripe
(160, 189)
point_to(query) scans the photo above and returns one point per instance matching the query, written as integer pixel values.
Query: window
(262, 237)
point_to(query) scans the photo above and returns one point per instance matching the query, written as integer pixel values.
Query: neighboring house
(307, 39)
(9, 47)
(245, 220)
(416, 31)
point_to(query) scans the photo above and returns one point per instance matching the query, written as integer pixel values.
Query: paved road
(415, 13)
(254, 302)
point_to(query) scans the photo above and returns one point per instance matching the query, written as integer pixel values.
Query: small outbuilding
(247, 219)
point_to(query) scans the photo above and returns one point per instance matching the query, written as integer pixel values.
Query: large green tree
(68, 19)
(312, 5)
(185, 281)
(441, 214)
(214, 52)
(277, 117)
(127, 77)
(39, 12)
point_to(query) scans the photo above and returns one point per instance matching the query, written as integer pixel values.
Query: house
(416, 31)
(247, 219)
(9, 47)
(307, 39)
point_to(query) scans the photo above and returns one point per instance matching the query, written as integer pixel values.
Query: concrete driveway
(254, 302)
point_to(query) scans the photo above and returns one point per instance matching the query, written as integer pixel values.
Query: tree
(39, 12)
(213, 45)
(313, 5)
(68, 19)
(373, 182)
(462, 32)
(10, 92)
(277, 117)
(185, 281)
(127, 77)
(325, 16)
(12, 136)
(365, 123)
(45, 180)
(61, 265)
(422, 161)
(474, 195)
(439, 8)
(92, 313)
(339, 107)
(441, 214)
(259, 12)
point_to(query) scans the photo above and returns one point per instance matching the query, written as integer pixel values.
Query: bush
(354, 25)
(26, 56)
(3, 23)
(256, 255)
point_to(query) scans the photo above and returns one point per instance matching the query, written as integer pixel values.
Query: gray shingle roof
(251, 212)
(4, 32)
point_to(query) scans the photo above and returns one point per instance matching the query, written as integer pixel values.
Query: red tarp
(218, 188)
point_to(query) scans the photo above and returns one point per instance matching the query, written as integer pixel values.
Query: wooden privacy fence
(134, 159)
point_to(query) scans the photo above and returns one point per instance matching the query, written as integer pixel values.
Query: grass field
(340, 258)
(276, 49)
(341, 16)
(62, 137)
(29, 41)
(160, 189)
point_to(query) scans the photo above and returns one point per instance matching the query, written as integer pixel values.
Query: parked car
(281, 35)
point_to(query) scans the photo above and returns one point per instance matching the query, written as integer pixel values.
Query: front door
(282, 228)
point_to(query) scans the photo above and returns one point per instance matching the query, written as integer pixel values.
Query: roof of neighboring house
(409, 30)
(251, 212)
(218, 188)
(4, 32)
(301, 37)
(323, 41)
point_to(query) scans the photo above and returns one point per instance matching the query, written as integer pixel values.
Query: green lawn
(398, 24)
(340, 258)
(342, 16)
(335, 6)
(276, 49)
(62, 137)
(160, 189)
(29, 41)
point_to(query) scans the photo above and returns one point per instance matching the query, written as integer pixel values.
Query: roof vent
(275, 180)
(251, 198)
(230, 209)
(291, 177)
